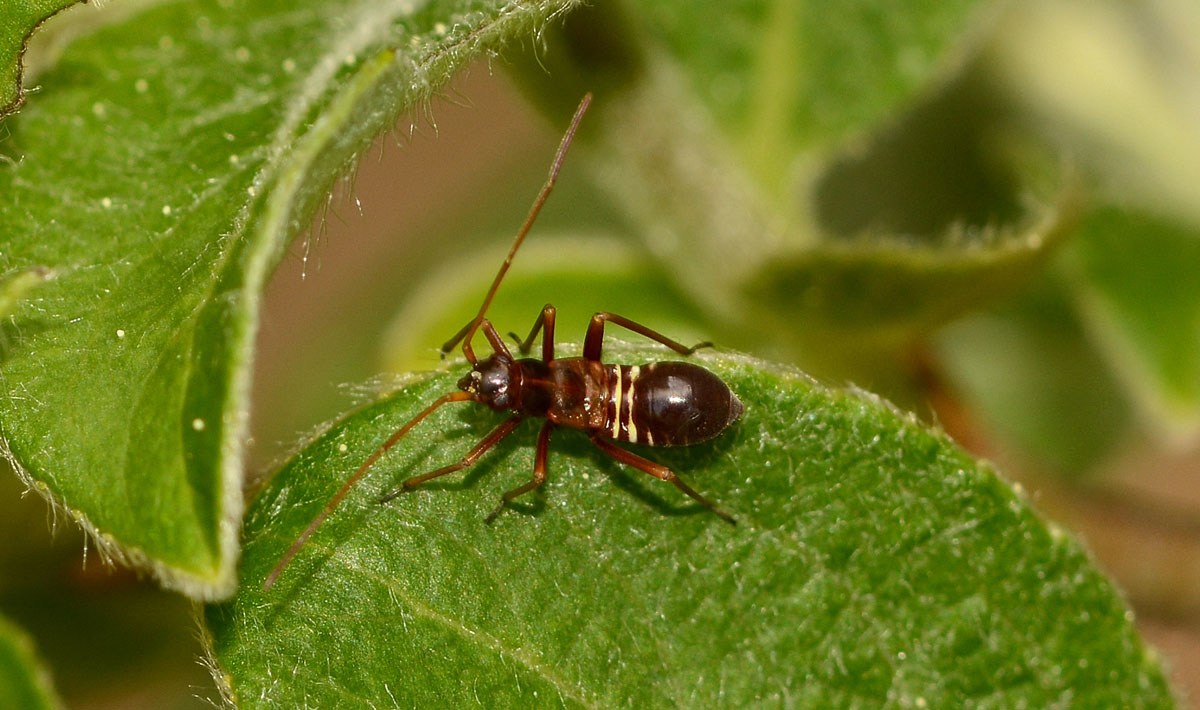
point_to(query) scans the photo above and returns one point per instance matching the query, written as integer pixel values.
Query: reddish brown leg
(593, 342)
(486, 443)
(545, 320)
(539, 471)
(658, 471)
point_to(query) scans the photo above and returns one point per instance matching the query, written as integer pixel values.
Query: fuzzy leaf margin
(18, 20)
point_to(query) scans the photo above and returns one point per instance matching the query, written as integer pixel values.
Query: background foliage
(823, 188)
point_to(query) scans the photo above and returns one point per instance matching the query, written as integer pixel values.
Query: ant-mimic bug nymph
(655, 404)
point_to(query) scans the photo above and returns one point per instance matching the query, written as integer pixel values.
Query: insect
(656, 404)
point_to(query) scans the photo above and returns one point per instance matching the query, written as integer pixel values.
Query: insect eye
(495, 387)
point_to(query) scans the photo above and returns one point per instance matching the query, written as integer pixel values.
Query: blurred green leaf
(1034, 379)
(779, 79)
(1136, 282)
(169, 159)
(1113, 331)
(874, 564)
(18, 19)
(782, 79)
(885, 290)
(24, 682)
(1114, 85)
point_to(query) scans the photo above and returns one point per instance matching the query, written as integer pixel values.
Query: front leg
(593, 343)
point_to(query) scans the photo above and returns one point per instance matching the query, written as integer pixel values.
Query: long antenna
(468, 331)
(337, 497)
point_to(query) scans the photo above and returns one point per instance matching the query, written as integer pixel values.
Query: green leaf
(18, 19)
(1136, 281)
(785, 78)
(885, 290)
(169, 159)
(1114, 85)
(103, 634)
(1033, 377)
(24, 681)
(874, 564)
(15, 286)
(779, 79)
(1112, 332)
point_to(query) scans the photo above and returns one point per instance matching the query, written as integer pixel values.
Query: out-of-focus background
(1039, 379)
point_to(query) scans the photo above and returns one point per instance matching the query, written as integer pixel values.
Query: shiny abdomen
(672, 404)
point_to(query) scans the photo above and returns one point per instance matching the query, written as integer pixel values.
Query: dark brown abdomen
(668, 404)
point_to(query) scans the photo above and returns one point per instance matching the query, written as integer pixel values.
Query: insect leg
(593, 342)
(658, 471)
(539, 471)
(545, 320)
(486, 443)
